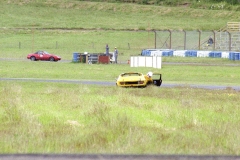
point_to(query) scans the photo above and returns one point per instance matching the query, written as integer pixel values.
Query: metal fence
(131, 41)
(197, 40)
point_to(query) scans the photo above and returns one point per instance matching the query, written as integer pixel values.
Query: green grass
(40, 117)
(81, 14)
(99, 24)
(65, 43)
(74, 118)
(198, 73)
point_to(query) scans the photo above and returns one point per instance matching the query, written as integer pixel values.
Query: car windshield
(45, 52)
(41, 52)
(131, 74)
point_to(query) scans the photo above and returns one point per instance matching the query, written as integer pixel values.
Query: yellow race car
(135, 79)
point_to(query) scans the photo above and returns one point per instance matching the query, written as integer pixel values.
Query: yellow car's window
(131, 74)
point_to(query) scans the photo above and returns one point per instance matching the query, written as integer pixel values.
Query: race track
(112, 83)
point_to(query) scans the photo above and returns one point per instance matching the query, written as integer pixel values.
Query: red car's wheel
(51, 59)
(33, 58)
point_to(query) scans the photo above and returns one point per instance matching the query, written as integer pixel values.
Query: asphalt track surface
(113, 83)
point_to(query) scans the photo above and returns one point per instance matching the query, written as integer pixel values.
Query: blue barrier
(191, 53)
(167, 53)
(146, 52)
(215, 54)
(237, 56)
(234, 56)
(76, 57)
(231, 56)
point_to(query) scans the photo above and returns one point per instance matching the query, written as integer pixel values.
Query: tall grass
(70, 118)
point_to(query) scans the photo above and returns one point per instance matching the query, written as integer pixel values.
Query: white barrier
(179, 53)
(203, 53)
(182, 53)
(146, 61)
(156, 53)
(157, 62)
(225, 54)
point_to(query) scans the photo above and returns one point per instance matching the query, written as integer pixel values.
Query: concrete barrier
(146, 61)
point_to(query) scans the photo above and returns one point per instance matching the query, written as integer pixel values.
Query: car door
(46, 56)
(40, 55)
(157, 79)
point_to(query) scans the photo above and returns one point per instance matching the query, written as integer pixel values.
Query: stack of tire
(92, 58)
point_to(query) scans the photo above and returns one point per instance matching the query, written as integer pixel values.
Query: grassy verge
(72, 118)
(172, 73)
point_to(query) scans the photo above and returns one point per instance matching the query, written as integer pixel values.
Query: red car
(43, 56)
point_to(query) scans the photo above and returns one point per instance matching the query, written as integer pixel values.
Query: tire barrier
(79, 57)
(191, 53)
(90, 58)
(93, 58)
(76, 57)
(234, 55)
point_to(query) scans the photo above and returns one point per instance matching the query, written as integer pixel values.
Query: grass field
(65, 43)
(40, 117)
(126, 26)
(71, 118)
(82, 14)
(198, 73)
